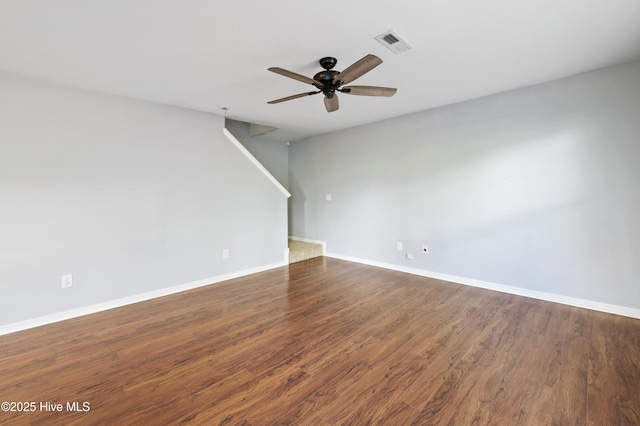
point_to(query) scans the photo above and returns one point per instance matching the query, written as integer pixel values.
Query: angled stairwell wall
(272, 158)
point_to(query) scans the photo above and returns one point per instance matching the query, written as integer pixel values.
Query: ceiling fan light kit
(330, 81)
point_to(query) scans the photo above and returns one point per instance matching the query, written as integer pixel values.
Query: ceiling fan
(330, 81)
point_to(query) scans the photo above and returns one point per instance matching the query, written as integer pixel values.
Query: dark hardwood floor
(328, 342)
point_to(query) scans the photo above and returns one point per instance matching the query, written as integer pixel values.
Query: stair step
(299, 251)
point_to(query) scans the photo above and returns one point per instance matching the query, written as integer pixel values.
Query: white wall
(536, 188)
(128, 196)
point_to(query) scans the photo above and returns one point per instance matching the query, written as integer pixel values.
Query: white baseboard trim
(309, 240)
(99, 307)
(550, 297)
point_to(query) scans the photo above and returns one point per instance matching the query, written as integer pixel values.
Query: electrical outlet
(399, 245)
(327, 197)
(225, 253)
(410, 256)
(425, 249)
(66, 281)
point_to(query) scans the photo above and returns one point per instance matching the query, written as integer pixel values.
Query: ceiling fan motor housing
(325, 78)
(325, 82)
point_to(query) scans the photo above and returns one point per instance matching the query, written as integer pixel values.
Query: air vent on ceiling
(394, 41)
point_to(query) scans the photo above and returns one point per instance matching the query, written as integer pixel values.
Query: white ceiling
(208, 54)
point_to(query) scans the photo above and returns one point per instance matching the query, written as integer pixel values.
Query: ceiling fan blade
(293, 75)
(358, 69)
(288, 98)
(331, 104)
(369, 90)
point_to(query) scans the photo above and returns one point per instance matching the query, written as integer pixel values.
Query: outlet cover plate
(66, 281)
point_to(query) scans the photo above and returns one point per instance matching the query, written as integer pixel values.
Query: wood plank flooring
(328, 342)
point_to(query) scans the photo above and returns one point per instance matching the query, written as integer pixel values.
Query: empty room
(294, 213)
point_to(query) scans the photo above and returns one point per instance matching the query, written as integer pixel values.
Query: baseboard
(92, 309)
(309, 240)
(550, 297)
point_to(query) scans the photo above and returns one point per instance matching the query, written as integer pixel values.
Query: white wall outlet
(66, 281)
(327, 197)
(410, 256)
(225, 253)
(425, 249)
(399, 245)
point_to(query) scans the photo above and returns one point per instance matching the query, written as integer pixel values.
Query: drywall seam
(255, 162)
(549, 297)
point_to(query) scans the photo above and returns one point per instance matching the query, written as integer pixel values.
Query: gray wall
(127, 196)
(537, 188)
(273, 155)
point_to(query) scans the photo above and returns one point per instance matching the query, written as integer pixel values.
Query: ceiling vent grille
(394, 41)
